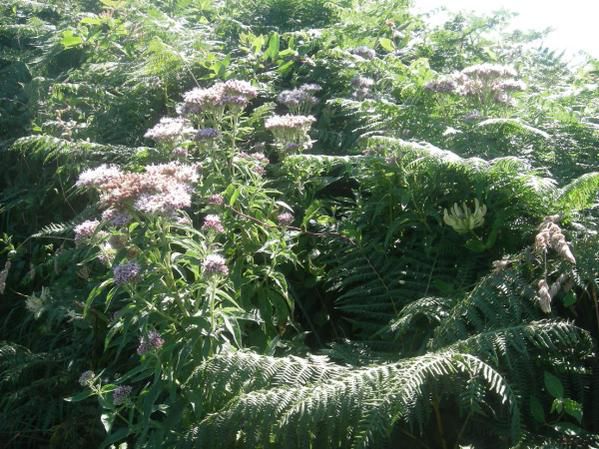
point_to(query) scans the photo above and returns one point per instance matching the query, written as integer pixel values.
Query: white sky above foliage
(575, 22)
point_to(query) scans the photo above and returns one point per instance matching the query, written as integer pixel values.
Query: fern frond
(515, 124)
(372, 286)
(417, 321)
(231, 373)
(581, 193)
(354, 407)
(499, 300)
(55, 229)
(47, 148)
(556, 337)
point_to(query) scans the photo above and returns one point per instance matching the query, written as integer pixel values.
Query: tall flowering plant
(291, 131)
(192, 249)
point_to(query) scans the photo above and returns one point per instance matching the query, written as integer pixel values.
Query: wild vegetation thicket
(294, 224)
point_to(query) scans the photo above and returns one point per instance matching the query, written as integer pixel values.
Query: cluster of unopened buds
(364, 52)
(484, 82)
(213, 223)
(215, 199)
(463, 219)
(120, 395)
(301, 100)
(551, 237)
(206, 134)
(126, 273)
(362, 87)
(547, 292)
(86, 229)
(87, 378)
(149, 342)
(285, 218)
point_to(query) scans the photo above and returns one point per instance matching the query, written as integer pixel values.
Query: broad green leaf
(70, 40)
(387, 44)
(574, 409)
(80, 396)
(554, 385)
(91, 21)
(536, 409)
(272, 51)
(114, 437)
(107, 419)
(569, 299)
(557, 406)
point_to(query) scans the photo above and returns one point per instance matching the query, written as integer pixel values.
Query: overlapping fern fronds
(47, 148)
(346, 407)
(258, 401)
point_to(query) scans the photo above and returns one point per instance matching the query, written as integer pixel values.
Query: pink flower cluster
(153, 340)
(485, 82)
(95, 177)
(291, 129)
(215, 264)
(285, 218)
(289, 122)
(162, 189)
(300, 100)
(234, 94)
(86, 229)
(126, 273)
(121, 394)
(362, 86)
(216, 199)
(169, 129)
(212, 223)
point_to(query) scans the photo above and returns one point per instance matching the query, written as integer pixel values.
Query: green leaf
(574, 409)
(94, 293)
(557, 406)
(112, 3)
(258, 42)
(569, 299)
(107, 419)
(70, 40)
(79, 396)
(233, 328)
(234, 197)
(272, 51)
(114, 437)
(91, 21)
(283, 69)
(536, 410)
(554, 385)
(387, 44)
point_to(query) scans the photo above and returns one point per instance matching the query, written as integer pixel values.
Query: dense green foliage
(416, 266)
